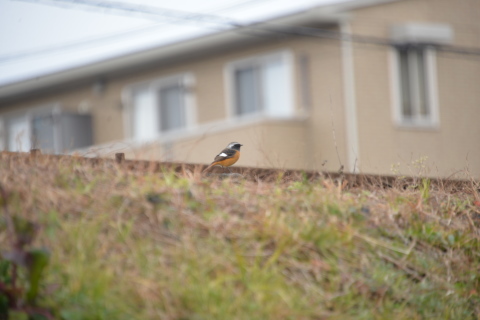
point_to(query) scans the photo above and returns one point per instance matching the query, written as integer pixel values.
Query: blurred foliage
(138, 244)
(21, 269)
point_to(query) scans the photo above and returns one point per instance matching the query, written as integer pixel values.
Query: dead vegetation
(167, 243)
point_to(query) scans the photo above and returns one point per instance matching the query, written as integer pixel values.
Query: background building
(378, 86)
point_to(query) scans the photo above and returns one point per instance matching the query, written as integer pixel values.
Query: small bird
(227, 156)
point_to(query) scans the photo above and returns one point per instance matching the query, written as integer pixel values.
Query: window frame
(153, 88)
(29, 114)
(261, 60)
(430, 121)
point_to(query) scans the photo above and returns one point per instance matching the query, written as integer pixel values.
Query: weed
(170, 245)
(21, 268)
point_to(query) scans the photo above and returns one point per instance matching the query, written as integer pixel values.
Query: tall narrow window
(261, 85)
(248, 97)
(172, 107)
(416, 84)
(43, 132)
(304, 80)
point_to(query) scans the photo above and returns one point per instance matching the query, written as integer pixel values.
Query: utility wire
(125, 10)
(258, 29)
(105, 38)
(73, 44)
(141, 11)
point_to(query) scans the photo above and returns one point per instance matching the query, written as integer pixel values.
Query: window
(46, 129)
(416, 99)
(43, 132)
(160, 106)
(172, 107)
(261, 85)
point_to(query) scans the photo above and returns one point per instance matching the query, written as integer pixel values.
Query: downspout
(351, 124)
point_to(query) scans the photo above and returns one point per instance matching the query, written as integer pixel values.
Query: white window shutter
(19, 134)
(145, 115)
(277, 89)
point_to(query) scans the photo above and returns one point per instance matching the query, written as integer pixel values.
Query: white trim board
(351, 121)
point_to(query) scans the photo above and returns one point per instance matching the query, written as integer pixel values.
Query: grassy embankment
(138, 245)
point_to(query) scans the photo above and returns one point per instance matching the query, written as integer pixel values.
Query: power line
(239, 4)
(142, 11)
(125, 10)
(106, 38)
(259, 29)
(72, 44)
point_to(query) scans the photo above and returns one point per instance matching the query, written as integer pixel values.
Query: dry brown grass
(167, 243)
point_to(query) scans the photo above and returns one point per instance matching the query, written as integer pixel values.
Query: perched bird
(227, 156)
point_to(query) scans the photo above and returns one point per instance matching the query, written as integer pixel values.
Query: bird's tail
(211, 165)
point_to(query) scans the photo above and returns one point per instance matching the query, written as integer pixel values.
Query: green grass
(141, 245)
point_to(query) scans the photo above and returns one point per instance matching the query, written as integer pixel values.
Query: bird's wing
(225, 154)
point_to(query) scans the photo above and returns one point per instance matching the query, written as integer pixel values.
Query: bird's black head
(234, 145)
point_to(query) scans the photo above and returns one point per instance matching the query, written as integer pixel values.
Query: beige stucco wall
(266, 143)
(326, 134)
(303, 143)
(440, 151)
(318, 134)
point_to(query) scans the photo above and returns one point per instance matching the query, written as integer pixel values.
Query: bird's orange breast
(230, 161)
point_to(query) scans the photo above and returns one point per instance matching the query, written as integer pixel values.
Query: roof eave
(332, 14)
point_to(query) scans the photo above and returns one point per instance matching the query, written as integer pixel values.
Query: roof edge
(328, 14)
